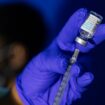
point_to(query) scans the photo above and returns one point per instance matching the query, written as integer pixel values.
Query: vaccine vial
(88, 28)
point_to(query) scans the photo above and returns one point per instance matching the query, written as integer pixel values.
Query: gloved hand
(39, 82)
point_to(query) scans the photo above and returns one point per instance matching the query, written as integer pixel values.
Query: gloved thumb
(70, 31)
(53, 55)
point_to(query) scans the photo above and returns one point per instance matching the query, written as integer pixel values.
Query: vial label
(90, 24)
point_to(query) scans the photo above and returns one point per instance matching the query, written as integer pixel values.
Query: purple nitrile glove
(40, 80)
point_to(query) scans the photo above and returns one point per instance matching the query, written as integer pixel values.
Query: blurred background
(28, 26)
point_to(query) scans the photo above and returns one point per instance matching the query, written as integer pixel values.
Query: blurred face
(15, 55)
(12, 58)
(18, 23)
(18, 55)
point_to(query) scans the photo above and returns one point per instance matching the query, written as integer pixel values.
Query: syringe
(87, 30)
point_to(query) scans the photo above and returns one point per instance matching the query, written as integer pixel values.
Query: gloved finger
(70, 30)
(50, 61)
(52, 91)
(74, 90)
(85, 79)
(77, 85)
(72, 97)
(75, 71)
(99, 36)
(74, 85)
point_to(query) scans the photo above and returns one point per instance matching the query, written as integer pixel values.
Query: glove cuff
(21, 93)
